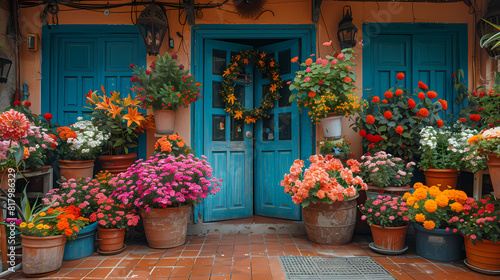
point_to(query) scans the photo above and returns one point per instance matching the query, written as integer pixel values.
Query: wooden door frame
(307, 35)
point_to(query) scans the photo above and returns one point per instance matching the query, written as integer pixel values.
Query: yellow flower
(22, 225)
(418, 185)
(273, 88)
(406, 195)
(238, 114)
(415, 206)
(420, 217)
(442, 200)
(231, 98)
(42, 214)
(30, 225)
(249, 119)
(39, 226)
(46, 227)
(430, 225)
(420, 193)
(411, 200)
(431, 206)
(434, 191)
(457, 207)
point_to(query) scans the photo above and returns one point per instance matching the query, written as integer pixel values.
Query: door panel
(228, 150)
(277, 139)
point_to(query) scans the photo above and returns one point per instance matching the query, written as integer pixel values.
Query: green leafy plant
(384, 170)
(491, 40)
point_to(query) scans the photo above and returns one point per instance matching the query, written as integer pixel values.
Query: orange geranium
(376, 99)
(399, 129)
(388, 94)
(440, 123)
(398, 92)
(387, 115)
(400, 76)
(308, 61)
(475, 117)
(444, 104)
(370, 119)
(421, 95)
(423, 112)
(432, 94)
(411, 103)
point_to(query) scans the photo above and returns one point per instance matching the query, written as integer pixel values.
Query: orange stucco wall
(285, 12)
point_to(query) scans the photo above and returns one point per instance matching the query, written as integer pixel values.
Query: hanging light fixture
(5, 64)
(153, 25)
(347, 30)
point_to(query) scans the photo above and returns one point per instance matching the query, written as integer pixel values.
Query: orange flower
(432, 94)
(398, 92)
(76, 229)
(475, 117)
(423, 112)
(62, 225)
(444, 104)
(376, 99)
(370, 119)
(462, 120)
(312, 94)
(14, 125)
(388, 115)
(172, 137)
(293, 60)
(385, 101)
(388, 95)
(411, 103)
(347, 79)
(421, 95)
(440, 123)
(68, 232)
(399, 130)
(309, 61)
(400, 76)
(422, 86)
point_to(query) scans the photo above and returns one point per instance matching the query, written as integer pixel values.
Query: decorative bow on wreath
(264, 64)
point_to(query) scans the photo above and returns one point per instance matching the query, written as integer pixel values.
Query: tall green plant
(491, 40)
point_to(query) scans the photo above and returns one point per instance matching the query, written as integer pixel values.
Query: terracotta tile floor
(240, 257)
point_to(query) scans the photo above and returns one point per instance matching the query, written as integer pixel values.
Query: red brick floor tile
(99, 273)
(221, 277)
(147, 263)
(79, 272)
(207, 277)
(72, 264)
(421, 276)
(208, 253)
(262, 276)
(273, 247)
(213, 236)
(275, 253)
(204, 261)
(189, 254)
(221, 269)
(128, 263)
(227, 254)
(161, 272)
(109, 263)
(181, 271)
(241, 236)
(179, 278)
(241, 269)
(308, 253)
(261, 269)
(259, 260)
(226, 242)
(240, 276)
(193, 247)
(140, 273)
(185, 262)
(166, 262)
(210, 247)
(241, 241)
(258, 253)
(171, 254)
(212, 241)
(257, 247)
(120, 272)
(223, 261)
(397, 272)
(225, 248)
(155, 255)
(198, 237)
(245, 261)
(245, 247)
(196, 242)
(201, 270)
(89, 263)
(240, 254)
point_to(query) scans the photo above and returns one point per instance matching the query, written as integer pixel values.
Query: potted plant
(83, 193)
(113, 219)
(388, 220)
(479, 224)
(121, 120)
(79, 145)
(165, 87)
(339, 148)
(430, 209)
(392, 121)
(385, 172)
(163, 190)
(326, 87)
(171, 145)
(327, 191)
(42, 148)
(488, 143)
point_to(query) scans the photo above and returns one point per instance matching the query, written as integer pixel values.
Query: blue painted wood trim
(305, 32)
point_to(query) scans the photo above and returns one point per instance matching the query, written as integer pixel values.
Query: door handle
(249, 134)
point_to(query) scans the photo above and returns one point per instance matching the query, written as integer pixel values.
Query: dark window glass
(237, 126)
(284, 58)
(285, 95)
(268, 129)
(285, 126)
(239, 93)
(219, 63)
(216, 96)
(218, 128)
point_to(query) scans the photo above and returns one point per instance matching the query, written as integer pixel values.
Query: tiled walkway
(241, 257)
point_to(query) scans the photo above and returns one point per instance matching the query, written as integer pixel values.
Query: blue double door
(250, 158)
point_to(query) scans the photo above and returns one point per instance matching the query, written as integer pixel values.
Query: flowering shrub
(83, 193)
(165, 182)
(385, 211)
(112, 215)
(434, 208)
(326, 180)
(327, 86)
(41, 147)
(479, 220)
(14, 127)
(384, 170)
(330, 146)
(488, 141)
(392, 123)
(81, 141)
(171, 145)
(166, 85)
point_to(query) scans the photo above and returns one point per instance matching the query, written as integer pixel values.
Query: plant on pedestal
(488, 143)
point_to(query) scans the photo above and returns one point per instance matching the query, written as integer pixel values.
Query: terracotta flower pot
(165, 227)
(485, 254)
(442, 177)
(110, 239)
(117, 163)
(164, 121)
(389, 238)
(42, 254)
(493, 163)
(4, 179)
(331, 224)
(76, 168)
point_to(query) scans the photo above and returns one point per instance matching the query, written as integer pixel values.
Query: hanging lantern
(5, 64)
(153, 25)
(347, 30)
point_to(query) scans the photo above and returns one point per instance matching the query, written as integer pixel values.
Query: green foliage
(336, 147)
(384, 170)
(491, 40)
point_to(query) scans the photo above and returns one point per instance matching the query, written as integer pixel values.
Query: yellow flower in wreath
(245, 61)
(227, 72)
(273, 88)
(238, 115)
(249, 119)
(231, 98)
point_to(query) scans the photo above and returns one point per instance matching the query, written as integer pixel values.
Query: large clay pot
(332, 126)
(165, 227)
(5, 176)
(76, 169)
(443, 177)
(438, 244)
(42, 255)
(493, 163)
(110, 239)
(164, 121)
(117, 163)
(389, 238)
(484, 255)
(331, 224)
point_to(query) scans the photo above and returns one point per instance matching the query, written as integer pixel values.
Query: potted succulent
(488, 143)
(327, 88)
(327, 191)
(113, 219)
(121, 120)
(165, 87)
(479, 224)
(388, 220)
(430, 209)
(163, 190)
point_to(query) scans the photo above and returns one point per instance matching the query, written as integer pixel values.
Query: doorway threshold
(251, 225)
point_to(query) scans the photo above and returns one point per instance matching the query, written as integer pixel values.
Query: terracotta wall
(285, 12)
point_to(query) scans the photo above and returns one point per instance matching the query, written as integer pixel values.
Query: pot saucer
(108, 253)
(387, 252)
(38, 275)
(480, 270)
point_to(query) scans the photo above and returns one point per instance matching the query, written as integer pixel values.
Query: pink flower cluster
(165, 182)
(385, 211)
(112, 215)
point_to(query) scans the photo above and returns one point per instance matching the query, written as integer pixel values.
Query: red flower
(377, 138)
(312, 94)
(475, 117)
(376, 99)
(453, 75)
(422, 86)
(309, 61)
(489, 207)
(411, 103)
(462, 120)
(423, 112)
(400, 76)
(132, 65)
(388, 94)
(399, 129)
(369, 137)
(370, 119)
(148, 72)
(134, 78)
(17, 103)
(385, 101)
(398, 92)
(27, 103)
(362, 132)
(47, 116)
(387, 115)
(421, 95)
(347, 79)
(440, 123)
(432, 94)
(174, 56)
(444, 104)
